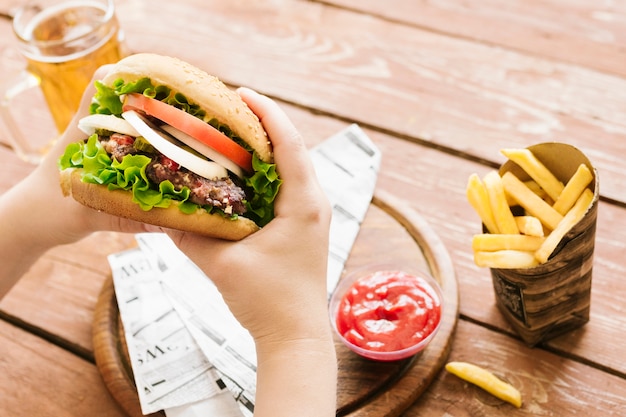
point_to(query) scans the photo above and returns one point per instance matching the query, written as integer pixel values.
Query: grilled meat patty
(222, 193)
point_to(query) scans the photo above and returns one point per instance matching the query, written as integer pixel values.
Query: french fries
(545, 210)
(531, 202)
(573, 189)
(529, 226)
(534, 187)
(505, 258)
(571, 218)
(478, 198)
(499, 207)
(536, 170)
(486, 380)
(494, 242)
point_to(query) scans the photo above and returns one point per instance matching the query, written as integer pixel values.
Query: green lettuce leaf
(129, 175)
(265, 183)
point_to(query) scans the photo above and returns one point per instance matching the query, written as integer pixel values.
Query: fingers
(289, 150)
(90, 90)
(83, 110)
(72, 133)
(300, 185)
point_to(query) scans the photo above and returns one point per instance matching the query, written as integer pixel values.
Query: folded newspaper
(189, 355)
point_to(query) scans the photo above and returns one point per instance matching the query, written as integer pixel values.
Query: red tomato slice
(192, 126)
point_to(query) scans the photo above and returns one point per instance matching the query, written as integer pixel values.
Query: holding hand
(36, 216)
(274, 281)
(286, 260)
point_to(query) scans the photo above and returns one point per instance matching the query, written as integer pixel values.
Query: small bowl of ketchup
(386, 313)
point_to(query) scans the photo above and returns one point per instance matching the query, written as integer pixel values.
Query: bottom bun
(120, 203)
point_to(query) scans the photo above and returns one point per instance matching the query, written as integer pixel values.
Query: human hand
(36, 216)
(65, 220)
(274, 281)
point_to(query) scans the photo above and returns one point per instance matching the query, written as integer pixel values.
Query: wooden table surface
(440, 87)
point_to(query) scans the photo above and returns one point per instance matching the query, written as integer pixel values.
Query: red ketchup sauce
(388, 311)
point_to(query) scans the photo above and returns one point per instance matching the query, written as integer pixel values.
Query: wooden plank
(7, 61)
(58, 294)
(9, 6)
(437, 178)
(40, 379)
(549, 384)
(436, 183)
(423, 86)
(582, 32)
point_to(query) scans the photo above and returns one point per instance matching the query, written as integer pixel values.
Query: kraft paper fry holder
(552, 298)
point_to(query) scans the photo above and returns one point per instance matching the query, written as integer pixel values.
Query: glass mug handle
(21, 145)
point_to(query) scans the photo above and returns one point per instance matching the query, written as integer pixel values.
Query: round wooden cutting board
(391, 232)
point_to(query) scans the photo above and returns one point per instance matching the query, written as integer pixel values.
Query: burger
(170, 145)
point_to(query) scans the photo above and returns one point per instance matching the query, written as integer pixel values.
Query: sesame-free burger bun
(200, 87)
(119, 203)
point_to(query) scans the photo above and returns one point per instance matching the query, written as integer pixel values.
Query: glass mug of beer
(64, 42)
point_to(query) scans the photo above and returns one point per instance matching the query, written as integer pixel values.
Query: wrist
(20, 243)
(314, 338)
(22, 228)
(307, 368)
(299, 321)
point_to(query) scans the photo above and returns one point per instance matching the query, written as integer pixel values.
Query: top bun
(217, 100)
